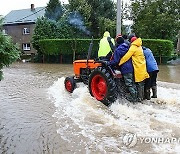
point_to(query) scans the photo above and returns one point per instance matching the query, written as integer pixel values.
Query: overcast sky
(8, 5)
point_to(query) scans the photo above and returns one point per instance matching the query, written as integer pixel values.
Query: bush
(49, 29)
(9, 52)
(162, 49)
(67, 46)
(159, 47)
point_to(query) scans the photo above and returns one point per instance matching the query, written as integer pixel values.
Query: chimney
(32, 7)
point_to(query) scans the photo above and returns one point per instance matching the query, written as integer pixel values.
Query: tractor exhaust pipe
(89, 51)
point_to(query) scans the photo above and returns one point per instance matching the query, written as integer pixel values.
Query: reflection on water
(169, 73)
(37, 115)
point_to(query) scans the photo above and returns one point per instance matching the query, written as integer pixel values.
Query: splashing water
(91, 124)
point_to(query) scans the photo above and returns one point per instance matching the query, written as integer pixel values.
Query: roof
(24, 16)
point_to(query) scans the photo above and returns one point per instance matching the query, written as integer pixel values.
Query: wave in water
(101, 128)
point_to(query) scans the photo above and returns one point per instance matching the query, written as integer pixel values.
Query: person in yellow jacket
(139, 63)
(106, 46)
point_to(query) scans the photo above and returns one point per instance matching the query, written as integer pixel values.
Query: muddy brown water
(38, 116)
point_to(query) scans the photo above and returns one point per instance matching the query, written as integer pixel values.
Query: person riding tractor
(106, 47)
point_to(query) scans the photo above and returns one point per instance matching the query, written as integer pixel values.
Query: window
(26, 31)
(26, 47)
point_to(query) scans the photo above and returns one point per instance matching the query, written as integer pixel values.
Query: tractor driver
(106, 47)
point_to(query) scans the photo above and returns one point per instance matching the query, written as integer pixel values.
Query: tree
(48, 29)
(80, 6)
(96, 14)
(76, 22)
(44, 29)
(54, 10)
(156, 19)
(8, 51)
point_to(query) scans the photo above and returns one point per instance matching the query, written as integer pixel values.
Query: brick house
(20, 24)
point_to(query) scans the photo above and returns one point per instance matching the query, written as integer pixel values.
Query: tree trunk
(60, 58)
(178, 44)
(43, 58)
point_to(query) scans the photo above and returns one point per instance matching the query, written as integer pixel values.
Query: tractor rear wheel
(70, 84)
(102, 86)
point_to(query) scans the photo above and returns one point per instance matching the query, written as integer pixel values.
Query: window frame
(25, 46)
(26, 31)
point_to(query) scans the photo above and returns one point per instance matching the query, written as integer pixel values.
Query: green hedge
(159, 47)
(67, 46)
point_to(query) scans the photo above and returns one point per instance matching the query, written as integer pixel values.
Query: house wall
(16, 32)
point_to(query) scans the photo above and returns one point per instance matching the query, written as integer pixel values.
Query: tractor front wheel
(102, 86)
(70, 84)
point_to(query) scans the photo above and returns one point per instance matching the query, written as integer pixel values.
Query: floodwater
(37, 115)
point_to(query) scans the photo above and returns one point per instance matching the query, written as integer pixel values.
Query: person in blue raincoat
(139, 64)
(152, 69)
(126, 69)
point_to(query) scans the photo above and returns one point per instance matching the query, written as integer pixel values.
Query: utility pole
(118, 18)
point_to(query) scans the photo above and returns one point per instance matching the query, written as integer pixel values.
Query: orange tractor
(103, 83)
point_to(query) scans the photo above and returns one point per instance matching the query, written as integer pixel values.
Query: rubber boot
(154, 90)
(140, 91)
(147, 94)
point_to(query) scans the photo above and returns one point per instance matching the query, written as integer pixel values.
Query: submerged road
(38, 116)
